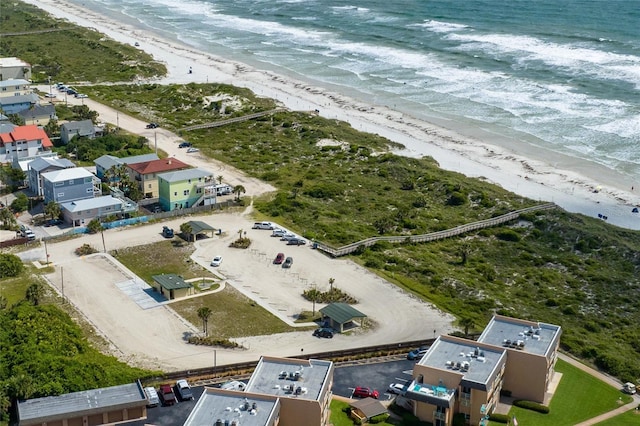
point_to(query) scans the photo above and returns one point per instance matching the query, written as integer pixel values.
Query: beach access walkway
(232, 120)
(433, 236)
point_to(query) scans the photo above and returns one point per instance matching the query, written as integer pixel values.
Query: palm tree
(34, 293)
(466, 323)
(239, 189)
(220, 177)
(204, 313)
(7, 218)
(52, 209)
(331, 281)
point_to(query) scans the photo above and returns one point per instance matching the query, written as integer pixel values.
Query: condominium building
(464, 377)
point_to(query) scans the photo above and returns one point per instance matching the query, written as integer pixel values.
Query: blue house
(69, 185)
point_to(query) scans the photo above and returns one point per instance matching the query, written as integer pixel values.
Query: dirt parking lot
(153, 337)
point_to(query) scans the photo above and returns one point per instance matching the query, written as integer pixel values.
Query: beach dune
(587, 188)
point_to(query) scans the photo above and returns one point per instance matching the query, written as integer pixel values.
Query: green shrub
(459, 420)
(10, 265)
(499, 418)
(85, 249)
(508, 235)
(456, 199)
(211, 341)
(379, 418)
(530, 405)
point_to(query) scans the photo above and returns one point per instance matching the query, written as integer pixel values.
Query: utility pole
(62, 282)
(155, 138)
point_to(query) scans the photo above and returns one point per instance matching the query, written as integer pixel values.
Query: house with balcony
(107, 162)
(77, 129)
(465, 377)
(532, 352)
(186, 188)
(146, 174)
(68, 185)
(81, 212)
(35, 169)
(24, 143)
(12, 68)
(16, 95)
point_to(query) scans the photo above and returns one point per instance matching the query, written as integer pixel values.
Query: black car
(167, 232)
(152, 125)
(323, 332)
(184, 145)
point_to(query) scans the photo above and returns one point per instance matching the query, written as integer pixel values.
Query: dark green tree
(21, 203)
(35, 292)
(10, 265)
(186, 230)
(239, 189)
(95, 226)
(52, 209)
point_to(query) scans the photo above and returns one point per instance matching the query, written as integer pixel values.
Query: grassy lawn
(340, 418)
(164, 257)
(630, 418)
(233, 315)
(579, 397)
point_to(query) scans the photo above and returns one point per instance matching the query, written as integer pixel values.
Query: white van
(152, 397)
(629, 388)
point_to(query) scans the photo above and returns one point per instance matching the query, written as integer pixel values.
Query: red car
(166, 395)
(279, 259)
(361, 392)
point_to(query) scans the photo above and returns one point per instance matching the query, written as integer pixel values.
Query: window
(149, 186)
(185, 192)
(175, 194)
(58, 184)
(70, 181)
(60, 194)
(199, 191)
(89, 190)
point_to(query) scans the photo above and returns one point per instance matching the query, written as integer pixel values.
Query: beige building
(14, 68)
(465, 377)
(292, 392)
(172, 286)
(532, 351)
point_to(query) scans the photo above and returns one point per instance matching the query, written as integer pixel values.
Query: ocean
(559, 76)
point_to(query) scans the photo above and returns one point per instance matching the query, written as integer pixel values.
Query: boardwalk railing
(232, 120)
(439, 235)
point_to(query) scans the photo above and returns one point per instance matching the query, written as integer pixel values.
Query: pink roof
(26, 133)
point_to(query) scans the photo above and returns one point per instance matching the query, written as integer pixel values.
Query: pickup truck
(167, 232)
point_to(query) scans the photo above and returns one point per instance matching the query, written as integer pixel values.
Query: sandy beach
(584, 188)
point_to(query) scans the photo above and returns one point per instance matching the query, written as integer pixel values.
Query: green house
(183, 189)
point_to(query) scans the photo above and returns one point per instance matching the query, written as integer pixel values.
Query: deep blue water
(563, 75)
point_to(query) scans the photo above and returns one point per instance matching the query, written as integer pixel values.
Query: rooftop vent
(536, 337)
(481, 359)
(283, 375)
(449, 363)
(254, 406)
(218, 423)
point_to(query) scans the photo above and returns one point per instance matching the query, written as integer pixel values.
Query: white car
(184, 390)
(396, 388)
(216, 261)
(192, 149)
(50, 95)
(81, 95)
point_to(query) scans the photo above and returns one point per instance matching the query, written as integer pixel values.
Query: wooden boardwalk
(232, 120)
(439, 235)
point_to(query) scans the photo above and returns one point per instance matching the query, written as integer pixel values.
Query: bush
(499, 418)
(94, 226)
(241, 243)
(10, 265)
(508, 235)
(379, 418)
(530, 405)
(456, 199)
(210, 341)
(85, 249)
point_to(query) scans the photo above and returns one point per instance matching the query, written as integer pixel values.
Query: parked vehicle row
(165, 394)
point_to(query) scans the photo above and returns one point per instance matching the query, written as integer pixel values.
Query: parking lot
(374, 375)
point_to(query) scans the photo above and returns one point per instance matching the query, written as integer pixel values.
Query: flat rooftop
(246, 409)
(290, 378)
(448, 353)
(81, 402)
(528, 336)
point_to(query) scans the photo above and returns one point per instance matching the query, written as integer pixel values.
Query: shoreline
(577, 191)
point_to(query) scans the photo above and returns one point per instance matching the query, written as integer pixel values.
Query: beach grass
(579, 397)
(69, 53)
(338, 185)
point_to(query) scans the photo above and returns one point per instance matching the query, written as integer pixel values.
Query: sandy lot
(153, 337)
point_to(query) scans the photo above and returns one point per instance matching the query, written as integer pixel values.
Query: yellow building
(172, 286)
(464, 376)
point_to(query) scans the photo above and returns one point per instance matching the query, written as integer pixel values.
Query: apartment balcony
(438, 395)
